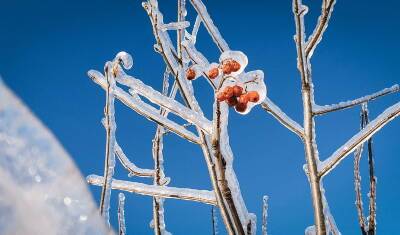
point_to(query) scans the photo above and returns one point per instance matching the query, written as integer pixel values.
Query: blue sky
(47, 48)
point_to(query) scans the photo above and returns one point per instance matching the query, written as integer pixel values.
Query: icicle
(264, 215)
(121, 214)
(214, 220)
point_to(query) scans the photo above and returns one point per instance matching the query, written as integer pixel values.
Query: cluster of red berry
(227, 66)
(236, 96)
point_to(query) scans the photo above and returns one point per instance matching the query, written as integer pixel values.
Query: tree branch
(319, 110)
(282, 117)
(203, 196)
(144, 109)
(323, 20)
(130, 166)
(330, 163)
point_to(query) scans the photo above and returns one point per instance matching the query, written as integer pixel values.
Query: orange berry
(241, 107)
(228, 92)
(253, 96)
(243, 99)
(237, 90)
(221, 96)
(232, 101)
(235, 66)
(226, 67)
(190, 74)
(213, 73)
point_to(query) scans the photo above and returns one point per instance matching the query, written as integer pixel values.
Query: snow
(58, 203)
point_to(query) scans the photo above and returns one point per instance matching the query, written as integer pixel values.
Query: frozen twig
(374, 126)
(209, 24)
(144, 109)
(323, 20)
(121, 214)
(282, 117)
(110, 126)
(264, 215)
(203, 196)
(357, 179)
(214, 220)
(175, 25)
(130, 166)
(311, 150)
(318, 110)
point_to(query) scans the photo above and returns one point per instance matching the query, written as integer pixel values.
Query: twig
(384, 118)
(110, 127)
(323, 20)
(311, 151)
(282, 117)
(319, 110)
(144, 109)
(130, 166)
(203, 196)
(121, 214)
(264, 215)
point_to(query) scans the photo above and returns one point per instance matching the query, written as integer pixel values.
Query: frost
(58, 203)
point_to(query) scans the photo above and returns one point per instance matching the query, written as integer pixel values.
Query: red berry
(253, 96)
(232, 101)
(226, 67)
(228, 92)
(221, 96)
(190, 74)
(235, 66)
(241, 107)
(237, 90)
(243, 99)
(213, 73)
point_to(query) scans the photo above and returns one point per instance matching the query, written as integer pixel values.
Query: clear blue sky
(47, 47)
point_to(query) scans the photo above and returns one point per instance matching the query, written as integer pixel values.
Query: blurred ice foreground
(41, 190)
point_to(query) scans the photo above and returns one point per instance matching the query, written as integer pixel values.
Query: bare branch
(319, 110)
(121, 214)
(264, 215)
(130, 166)
(203, 196)
(110, 126)
(358, 139)
(209, 24)
(282, 117)
(144, 109)
(323, 20)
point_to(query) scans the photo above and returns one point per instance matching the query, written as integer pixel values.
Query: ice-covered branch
(264, 215)
(144, 109)
(209, 24)
(121, 214)
(323, 20)
(203, 196)
(166, 102)
(175, 26)
(318, 110)
(130, 166)
(374, 126)
(110, 126)
(282, 117)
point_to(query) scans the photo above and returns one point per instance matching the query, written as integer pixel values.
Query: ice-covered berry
(235, 66)
(213, 73)
(241, 107)
(190, 74)
(253, 96)
(232, 101)
(237, 90)
(221, 96)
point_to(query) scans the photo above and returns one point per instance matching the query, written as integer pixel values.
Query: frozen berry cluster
(236, 96)
(227, 67)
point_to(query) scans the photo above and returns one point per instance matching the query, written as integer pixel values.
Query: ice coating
(110, 126)
(238, 56)
(130, 166)
(175, 25)
(121, 214)
(41, 190)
